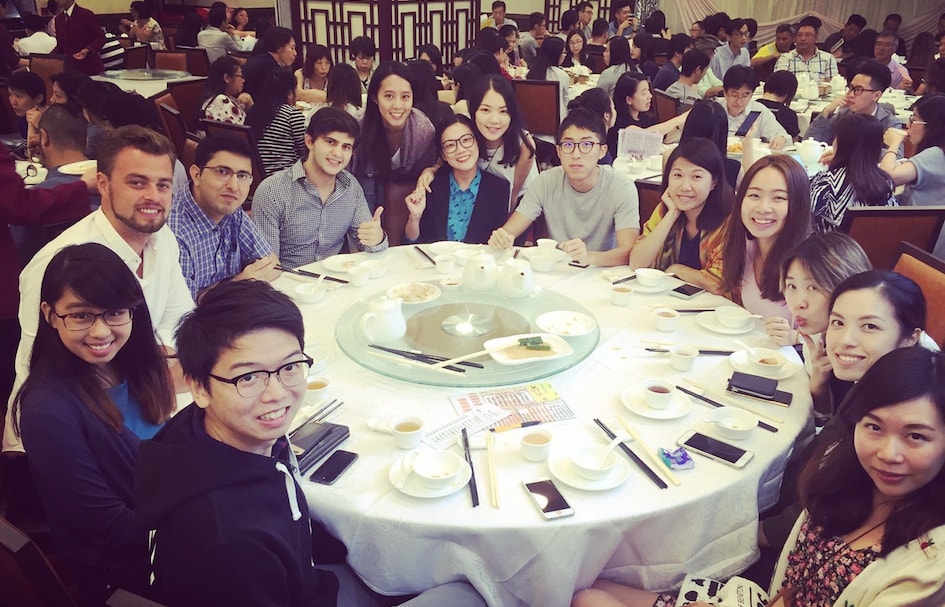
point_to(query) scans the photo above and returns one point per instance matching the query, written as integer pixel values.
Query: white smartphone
(715, 449)
(686, 291)
(548, 499)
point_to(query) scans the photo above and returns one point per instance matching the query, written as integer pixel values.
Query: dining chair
(174, 128)
(539, 104)
(241, 56)
(136, 56)
(170, 33)
(188, 95)
(198, 62)
(45, 66)
(239, 131)
(928, 271)
(880, 229)
(188, 152)
(169, 60)
(666, 106)
(650, 195)
(598, 64)
(27, 577)
(126, 42)
(166, 98)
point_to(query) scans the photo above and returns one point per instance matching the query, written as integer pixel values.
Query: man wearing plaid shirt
(217, 239)
(806, 58)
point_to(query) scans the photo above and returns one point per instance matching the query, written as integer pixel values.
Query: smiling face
(862, 329)
(765, 206)
(395, 100)
(96, 345)
(217, 196)
(492, 117)
(329, 154)
(251, 423)
(457, 137)
(808, 302)
(136, 197)
(901, 447)
(640, 101)
(689, 185)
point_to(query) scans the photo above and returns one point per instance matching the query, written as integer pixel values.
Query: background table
(636, 533)
(145, 88)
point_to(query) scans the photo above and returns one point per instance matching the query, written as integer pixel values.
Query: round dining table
(631, 531)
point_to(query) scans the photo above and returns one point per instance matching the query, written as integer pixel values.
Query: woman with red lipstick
(770, 217)
(98, 385)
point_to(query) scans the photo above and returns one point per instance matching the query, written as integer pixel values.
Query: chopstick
(648, 451)
(330, 411)
(694, 310)
(633, 457)
(745, 406)
(424, 253)
(624, 279)
(312, 275)
(701, 351)
(473, 490)
(761, 424)
(416, 363)
(493, 484)
(420, 356)
(459, 359)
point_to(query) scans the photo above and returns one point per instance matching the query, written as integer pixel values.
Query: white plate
(444, 246)
(566, 323)
(707, 320)
(501, 352)
(557, 255)
(632, 399)
(741, 363)
(414, 488)
(666, 285)
(342, 263)
(562, 468)
(78, 168)
(414, 292)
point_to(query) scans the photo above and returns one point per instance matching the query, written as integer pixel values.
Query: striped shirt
(211, 252)
(822, 66)
(283, 141)
(300, 226)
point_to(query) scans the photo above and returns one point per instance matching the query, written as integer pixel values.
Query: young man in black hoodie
(219, 484)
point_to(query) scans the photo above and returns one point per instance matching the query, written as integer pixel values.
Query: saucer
(741, 363)
(414, 488)
(563, 469)
(652, 290)
(557, 255)
(343, 262)
(632, 399)
(414, 292)
(566, 323)
(707, 320)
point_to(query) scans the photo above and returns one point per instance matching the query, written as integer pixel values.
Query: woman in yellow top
(684, 235)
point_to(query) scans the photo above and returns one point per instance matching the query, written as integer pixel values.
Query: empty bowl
(542, 262)
(650, 277)
(437, 469)
(733, 423)
(311, 293)
(592, 463)
(766, 361)
(732, 317)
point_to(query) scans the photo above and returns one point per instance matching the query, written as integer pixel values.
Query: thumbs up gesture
(370, 232)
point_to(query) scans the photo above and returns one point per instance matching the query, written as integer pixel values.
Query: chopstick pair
(761, 424)
(654, 457)
(703, 352)
(311, 275)
(320, 414)
(473, 489)
(659, 482)
(425, 358)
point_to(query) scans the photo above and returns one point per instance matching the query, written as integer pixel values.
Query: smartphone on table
(715, 449)
(333, 467)
(686, 291)
(549, 501)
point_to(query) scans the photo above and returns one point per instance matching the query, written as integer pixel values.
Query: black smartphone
(548, 499)
(686, 291)
(715, 449)
(759, 387)
(577, 264)
(746, 125)
(333, 467)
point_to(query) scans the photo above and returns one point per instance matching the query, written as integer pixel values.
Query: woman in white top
(619, 57)
(545, 67)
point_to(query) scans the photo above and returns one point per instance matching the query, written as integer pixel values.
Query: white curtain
(917, 15)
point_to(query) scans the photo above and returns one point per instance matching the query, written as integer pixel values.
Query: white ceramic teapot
(384, 321)
(838, 84)
(480, 273)
(811, 91)
(516, 279)
(811, 151)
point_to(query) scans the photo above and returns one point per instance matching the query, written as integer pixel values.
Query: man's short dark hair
(65, 127)
(711, 25)
(28, 82)
(275, 38)
(785, 27)
(209, 146)
(939, 36)
(34, 22)
(332, 120)
(894, 17)
(569, 19)
(535, 19)
(692, 60)
(498, 4)
(582, 6)
(583, 118)
(811, 21)
(880, 78)
(752, 27)
(133, 136)
(734, 25)
(619, 5)
(362, 45)
(678, 44)
(216, 16)
(783, 84)
(856, 19)
(599, 27)
(739, 76)
(227, 312)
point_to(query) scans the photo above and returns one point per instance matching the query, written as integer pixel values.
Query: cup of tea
(535, 445)
(658, 394)
(620, 295)
(407, 431)
(666, 319)
(316, 390)
(682, 357)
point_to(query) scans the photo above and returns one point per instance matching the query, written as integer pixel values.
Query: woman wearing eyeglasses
(924, 172)
(98, 385)
(225, 100)
(465, 203)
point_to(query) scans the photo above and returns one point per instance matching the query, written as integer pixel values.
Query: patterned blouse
(224, 109)
(710, 245)
(831, 194)
(819, 568)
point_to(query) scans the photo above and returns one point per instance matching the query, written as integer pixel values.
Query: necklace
(867, 532)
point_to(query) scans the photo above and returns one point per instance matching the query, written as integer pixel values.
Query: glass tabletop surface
(458, 322)
(145, 74)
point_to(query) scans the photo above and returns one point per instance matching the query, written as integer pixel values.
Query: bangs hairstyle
(97, 276)
(226, 313)
(902, 293)
(796, 227)
(859, 140)
(585, 120)
(313, 53)
(829, 258)
(514, 138)
(374, 141)
(219, 69)
(704, 153)
(627, 86)
(447, 123)
(834, 487)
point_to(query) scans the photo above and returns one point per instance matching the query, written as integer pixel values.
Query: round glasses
(451, 145)
(585, 147)
(255, 383)
(79, 321)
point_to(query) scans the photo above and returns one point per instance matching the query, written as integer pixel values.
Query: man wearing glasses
(306, 210)
(734, 52)
(866, 81)
(738, 84)
(217, 240)
(590, 209)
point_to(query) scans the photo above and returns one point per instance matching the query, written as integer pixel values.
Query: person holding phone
(874, 499)
(739, 83)
(685, 233)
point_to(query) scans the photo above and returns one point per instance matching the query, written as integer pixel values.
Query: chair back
(175, 128)
(241, 56)
(598, 64)
(166, 98)
(880, 229)
(26, 576)
(198, 62)
(136, 56)
(188, 151)
(169, 60)
(539, 104)
(666, 106)
(188, 94)
(650, 195)
(126, 42)
(238, 131)
(928, 272)
(170, 33)
(46, 66)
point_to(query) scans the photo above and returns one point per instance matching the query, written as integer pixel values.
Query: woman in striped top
(278, 125)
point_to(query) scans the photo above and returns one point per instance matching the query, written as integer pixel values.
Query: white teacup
(535, 445)
(682, 357)
(445, 263)
(546, 244)
(407, 431)
(666, 319)
(658, 394)
(620, 295)
(316, 389)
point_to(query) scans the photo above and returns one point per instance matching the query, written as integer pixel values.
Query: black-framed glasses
(585, 147)
(225, 172)
(466, 141)
(255, 383)
(858, 90)
(912, 120)
(79, 321)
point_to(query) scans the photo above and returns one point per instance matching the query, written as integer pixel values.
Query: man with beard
(135, 176)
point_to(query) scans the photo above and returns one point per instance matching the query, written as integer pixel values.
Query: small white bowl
(650, 277)
(733, 423)
(591, 463)
(463, 255)
(542, 262)
(437, 469)
(732, 317)
(311, 293)
(547, 244)
(767, 361)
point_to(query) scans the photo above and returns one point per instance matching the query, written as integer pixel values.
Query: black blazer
(489, 211)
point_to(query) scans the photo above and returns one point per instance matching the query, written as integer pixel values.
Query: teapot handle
(365, 320)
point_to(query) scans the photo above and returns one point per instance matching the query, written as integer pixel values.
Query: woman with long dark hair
(924, 172)
(633, 99)
(240, 24)
(619, 57)
(853, 177)
(278, 125)
(576, 51)
(97, 386)
(225, 100)
(546, 67)
(344, 90)
(425, 86)
(142, 27)
(708, 119)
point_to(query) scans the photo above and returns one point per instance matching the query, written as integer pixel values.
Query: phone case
(314, 440)
(759, 387)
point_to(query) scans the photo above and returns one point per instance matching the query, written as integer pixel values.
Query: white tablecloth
(636, 533)
(145, 88)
